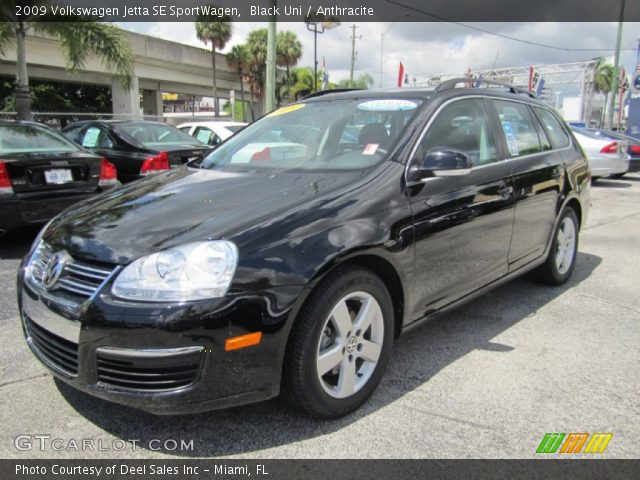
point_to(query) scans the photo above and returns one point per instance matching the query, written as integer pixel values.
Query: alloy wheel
(350, 344)
(565, 245)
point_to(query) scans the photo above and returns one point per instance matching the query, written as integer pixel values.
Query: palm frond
(7, 36)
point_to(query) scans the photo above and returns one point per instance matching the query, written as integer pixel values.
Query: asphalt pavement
(486, 381)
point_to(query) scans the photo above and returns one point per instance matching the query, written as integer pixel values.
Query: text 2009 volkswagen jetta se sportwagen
(293, 254)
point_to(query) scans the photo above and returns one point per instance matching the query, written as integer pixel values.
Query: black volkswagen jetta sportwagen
(291, 256)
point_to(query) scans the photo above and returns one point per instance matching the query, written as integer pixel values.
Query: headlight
(194, 271)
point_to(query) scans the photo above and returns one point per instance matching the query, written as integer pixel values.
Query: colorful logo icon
(573, 442)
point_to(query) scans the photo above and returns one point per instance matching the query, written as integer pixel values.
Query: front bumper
(166, 359)
(634, 164)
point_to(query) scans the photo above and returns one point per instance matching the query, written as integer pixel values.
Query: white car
(606, 157)
(211, 133)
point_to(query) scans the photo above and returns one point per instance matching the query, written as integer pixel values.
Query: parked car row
(43, 171)
(610, 154)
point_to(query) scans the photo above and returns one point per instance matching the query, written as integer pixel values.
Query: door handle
(505, 190)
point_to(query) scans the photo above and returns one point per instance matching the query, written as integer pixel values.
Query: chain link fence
(60, 120)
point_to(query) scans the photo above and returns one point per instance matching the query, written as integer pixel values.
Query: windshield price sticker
(370, 149)
(511, 138)
(387, 105)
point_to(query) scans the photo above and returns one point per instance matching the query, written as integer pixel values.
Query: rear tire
(561, 260)
(340, 344)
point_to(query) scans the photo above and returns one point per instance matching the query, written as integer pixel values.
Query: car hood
(181, 206)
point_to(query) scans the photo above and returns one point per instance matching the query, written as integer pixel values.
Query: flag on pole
(540, 87)
(325, 76)
(400, 75)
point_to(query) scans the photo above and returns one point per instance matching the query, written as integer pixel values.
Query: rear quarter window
(556, 132)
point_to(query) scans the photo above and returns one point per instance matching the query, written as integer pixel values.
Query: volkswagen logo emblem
(352, 343)
(53, 269)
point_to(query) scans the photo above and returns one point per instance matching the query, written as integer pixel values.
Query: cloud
(434, 48)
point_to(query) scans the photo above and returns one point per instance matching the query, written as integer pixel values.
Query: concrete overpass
(159, 66)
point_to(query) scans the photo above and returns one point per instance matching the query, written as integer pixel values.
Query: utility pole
(270, 81)
(353, 51)
(616, 70)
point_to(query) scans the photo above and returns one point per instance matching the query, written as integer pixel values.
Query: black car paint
(127, 154)
(435, 243)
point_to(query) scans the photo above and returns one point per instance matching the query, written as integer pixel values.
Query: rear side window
(518, 127)
(463, 125)
(95, 137)
(552, 125)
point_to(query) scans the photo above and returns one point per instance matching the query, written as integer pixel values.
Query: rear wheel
(340, 344)
(562, 255)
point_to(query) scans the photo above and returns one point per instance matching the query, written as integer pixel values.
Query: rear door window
(557, 134)
(96, 137)
(206, 136)
(518, 127)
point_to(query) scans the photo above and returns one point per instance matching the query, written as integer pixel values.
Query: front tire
(340, 344)
(561, 260)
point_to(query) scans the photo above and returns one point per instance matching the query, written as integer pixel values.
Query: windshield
(30, 138)
(155, 134)
(320, 135)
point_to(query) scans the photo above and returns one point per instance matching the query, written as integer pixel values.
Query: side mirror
(445, 162)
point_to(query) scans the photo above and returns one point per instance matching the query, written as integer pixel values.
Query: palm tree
(364, 81)
(288, 52)
(257, 54)
(79, 37)
(238, 58)
(602, 80)
(216, 31)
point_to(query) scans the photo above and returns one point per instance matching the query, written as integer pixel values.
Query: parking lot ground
(486, 381)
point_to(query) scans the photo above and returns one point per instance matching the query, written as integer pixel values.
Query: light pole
(318, 27)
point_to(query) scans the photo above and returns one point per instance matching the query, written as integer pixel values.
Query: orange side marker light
(243, 341)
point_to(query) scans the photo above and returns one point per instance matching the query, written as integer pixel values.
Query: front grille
(60, 354)
(147, 373)
(79, 279)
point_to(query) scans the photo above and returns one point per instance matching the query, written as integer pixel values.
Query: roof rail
(320, 93)
(451, 84)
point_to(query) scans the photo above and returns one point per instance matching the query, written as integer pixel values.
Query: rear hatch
(48, 172)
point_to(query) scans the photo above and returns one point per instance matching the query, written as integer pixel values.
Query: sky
(435, 48)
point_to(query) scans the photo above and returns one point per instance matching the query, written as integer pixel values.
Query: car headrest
(373, 133)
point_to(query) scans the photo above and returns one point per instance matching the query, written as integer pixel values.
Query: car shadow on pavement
(611, 183)
(16, 244)
(417, 357)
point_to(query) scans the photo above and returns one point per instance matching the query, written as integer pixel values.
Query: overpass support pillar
(152, 104)
(125, 102)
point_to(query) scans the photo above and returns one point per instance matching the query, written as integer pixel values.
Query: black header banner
(325, 10)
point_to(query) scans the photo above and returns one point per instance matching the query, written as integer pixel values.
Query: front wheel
(561, 261)
(340, 344)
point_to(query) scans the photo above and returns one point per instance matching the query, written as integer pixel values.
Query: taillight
(5, 179)
(634, 149)
(108, 174)
(610, 148)
(263, 155)
(155, 164)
